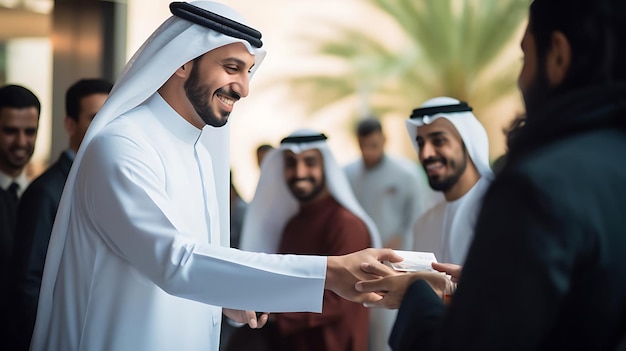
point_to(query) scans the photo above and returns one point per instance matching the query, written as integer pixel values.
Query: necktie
(12, 191)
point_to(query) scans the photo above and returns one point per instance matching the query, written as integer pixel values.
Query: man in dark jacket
(547, 268)
(38, 206)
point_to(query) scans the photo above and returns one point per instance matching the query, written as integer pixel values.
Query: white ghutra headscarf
(460, 115)
(273, 204)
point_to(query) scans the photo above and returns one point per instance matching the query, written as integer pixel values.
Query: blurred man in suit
(38, 207)
(19, 121)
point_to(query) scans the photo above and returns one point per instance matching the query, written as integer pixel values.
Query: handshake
(363, 277)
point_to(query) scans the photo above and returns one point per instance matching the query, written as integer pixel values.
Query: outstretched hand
(343, 272)
(248, 317)
(393, 285)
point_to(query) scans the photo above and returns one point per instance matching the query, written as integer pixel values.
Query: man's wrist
(331, 263)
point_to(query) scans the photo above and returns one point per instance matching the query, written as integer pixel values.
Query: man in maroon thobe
(312, 210)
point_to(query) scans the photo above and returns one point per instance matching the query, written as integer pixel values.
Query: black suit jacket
(7, 224)
(35, 216)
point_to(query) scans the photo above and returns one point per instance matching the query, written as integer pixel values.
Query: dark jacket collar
(65, 163)
(572, 113)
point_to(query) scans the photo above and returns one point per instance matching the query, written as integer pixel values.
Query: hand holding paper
(343, 272)
(414, 261)
(393, 285)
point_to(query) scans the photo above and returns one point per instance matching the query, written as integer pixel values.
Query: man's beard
(445, 183)
(306, 197)
(11, 163)
(537, 94)
(199, 95)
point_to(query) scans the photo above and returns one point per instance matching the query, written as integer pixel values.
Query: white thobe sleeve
(133, 215)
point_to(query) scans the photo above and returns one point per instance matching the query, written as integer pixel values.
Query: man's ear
(183, 71)
(70, 125)
(558, 59)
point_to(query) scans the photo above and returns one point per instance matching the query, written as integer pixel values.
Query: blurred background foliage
(440, 47)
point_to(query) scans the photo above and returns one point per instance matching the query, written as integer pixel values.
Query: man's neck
(12, 173)
(7, 179)
(324, 194)
(373, 164)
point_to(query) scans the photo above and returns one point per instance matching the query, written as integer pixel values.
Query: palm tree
(450, 47)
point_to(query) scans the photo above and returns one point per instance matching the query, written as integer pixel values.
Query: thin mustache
(428, 161)
(231, 94)
(295, 180)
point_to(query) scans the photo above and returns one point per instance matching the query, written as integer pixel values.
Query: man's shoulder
(354, 166)
(54, 177)
(136, 121)
(575, 175)
(43, 190)
(403, 164)
(577, 156)
(138, 127)
(341, 214)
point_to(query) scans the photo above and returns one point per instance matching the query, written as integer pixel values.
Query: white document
(414, 261)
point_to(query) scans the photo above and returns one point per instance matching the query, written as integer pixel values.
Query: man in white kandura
(394, 193)
(138, 259)
(454, 150)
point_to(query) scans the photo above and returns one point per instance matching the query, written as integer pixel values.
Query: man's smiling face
(217, 80)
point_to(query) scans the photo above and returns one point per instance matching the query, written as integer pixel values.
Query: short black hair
(16, 96)
(81, 89)
(368, 126)
(596, 32)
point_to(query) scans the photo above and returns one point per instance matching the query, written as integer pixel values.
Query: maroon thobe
(325, 228)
